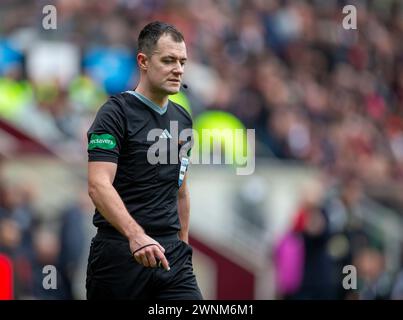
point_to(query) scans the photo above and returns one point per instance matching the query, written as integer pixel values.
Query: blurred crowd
(314, 92)
(332, 251)
(32, 242)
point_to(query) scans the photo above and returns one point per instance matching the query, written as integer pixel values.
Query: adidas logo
(165, 134)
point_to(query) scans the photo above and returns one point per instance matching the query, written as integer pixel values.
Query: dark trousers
(113, 273)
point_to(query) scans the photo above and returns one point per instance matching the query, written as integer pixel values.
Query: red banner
(6, 278)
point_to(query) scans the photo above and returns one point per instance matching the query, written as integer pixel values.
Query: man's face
(166, 64)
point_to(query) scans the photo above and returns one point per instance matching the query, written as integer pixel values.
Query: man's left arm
(184, 211)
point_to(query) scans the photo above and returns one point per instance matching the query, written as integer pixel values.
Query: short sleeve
(107, 133)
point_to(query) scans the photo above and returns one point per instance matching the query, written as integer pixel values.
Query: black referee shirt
(119, 135)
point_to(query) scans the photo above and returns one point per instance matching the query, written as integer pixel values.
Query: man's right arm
(110, 205)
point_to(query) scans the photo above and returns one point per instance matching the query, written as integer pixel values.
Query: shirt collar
(149, 103)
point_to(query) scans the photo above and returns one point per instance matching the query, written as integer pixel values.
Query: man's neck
(160, 100)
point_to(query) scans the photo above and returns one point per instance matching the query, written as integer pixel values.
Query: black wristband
(147, 245)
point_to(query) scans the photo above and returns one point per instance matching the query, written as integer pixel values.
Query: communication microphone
(185, 86)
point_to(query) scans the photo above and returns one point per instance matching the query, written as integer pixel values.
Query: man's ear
(142, 61)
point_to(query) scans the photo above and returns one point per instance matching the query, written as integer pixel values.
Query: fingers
(163, 260)
(160, 247)
(142, 257)
(144, 261)
(151, 258)
(137, 257)
(148, 257)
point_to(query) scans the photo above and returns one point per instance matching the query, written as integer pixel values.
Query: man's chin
(172, 91)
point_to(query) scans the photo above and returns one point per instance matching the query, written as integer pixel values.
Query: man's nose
(178, 69)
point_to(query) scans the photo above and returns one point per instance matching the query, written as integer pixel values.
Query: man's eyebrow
(174, 57)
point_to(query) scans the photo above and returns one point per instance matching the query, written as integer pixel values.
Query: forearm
(184, 214)
(111, 206)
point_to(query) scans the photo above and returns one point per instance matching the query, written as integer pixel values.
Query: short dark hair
(152, 32)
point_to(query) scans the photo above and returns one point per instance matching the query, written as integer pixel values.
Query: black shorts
(113, 273)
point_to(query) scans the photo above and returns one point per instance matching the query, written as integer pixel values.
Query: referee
(141, 248)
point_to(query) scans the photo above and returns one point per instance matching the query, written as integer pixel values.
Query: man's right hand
(147, 251)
